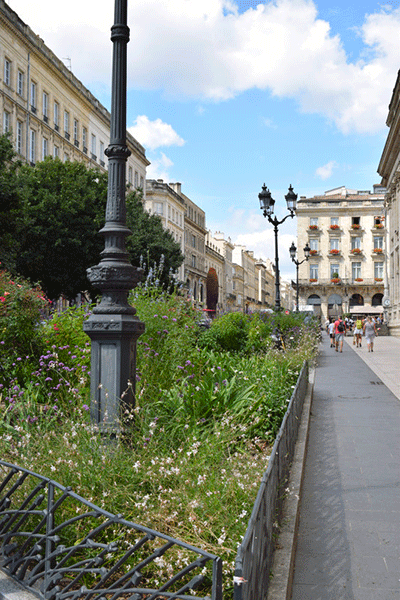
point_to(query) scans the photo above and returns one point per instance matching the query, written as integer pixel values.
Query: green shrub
(228, 333)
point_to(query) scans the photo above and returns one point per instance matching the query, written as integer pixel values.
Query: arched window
(314, 299)
(356, 300)
(377, 299)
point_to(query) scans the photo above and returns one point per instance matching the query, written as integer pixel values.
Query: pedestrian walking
(370, 333)
(340, 329)
(358, 331)
(331, 331)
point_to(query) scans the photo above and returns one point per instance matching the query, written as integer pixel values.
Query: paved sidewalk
(348, 544)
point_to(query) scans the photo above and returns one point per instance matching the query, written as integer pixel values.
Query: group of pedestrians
(362, 327)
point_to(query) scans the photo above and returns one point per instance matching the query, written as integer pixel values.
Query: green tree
(212, 289)
(62, 210)
(150, 245)
(9, 203)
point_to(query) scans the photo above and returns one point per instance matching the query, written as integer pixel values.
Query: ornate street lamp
(292, 251)
(113, 326)
(267, 206)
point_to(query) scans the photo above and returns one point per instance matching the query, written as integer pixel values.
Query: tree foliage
(212, 289)
(150, 246)
(62, 210)
(9, 202)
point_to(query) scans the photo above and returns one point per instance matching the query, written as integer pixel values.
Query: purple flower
(85, 407)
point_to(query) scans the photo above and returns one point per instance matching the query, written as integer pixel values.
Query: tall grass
(205, 418)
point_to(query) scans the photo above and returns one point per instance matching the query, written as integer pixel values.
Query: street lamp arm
(275, 222)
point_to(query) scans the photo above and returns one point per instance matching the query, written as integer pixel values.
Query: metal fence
(254, 558)
(62, 547)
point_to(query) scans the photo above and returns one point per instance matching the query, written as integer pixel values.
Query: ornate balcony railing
(62, 547)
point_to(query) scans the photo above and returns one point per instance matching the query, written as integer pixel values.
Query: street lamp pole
(113, 327)
(292, 251)
(267, 206)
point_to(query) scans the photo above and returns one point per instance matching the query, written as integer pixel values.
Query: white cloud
(154, 134)
(326, 171)
(159, 168)
(208, 51)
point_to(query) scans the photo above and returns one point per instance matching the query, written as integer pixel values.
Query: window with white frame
(313, 244)
(20, 83)
(6, 122)
(66, 157)
(334, 270)
(141, 181)
(56, 151)
(335, 221)
(7, 72)
(32, 146)
(334, 244)
(66, 122)
(19, 137)
(314, 221)
(94, 145)
(130, 175)
(378, 270)
(313, 271)
(194, 260)
(45, 147)
(356, 243)
(378, 242)
(193, 241)
(158, 208)
(136, 179)
(76, 131)
(102, 153)
(356, 270)
(33, 96)
(56, 115)
(45, 106)
(84, 139)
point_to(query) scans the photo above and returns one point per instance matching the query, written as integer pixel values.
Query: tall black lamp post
(113, 326)
(293, 251)
(267, 206)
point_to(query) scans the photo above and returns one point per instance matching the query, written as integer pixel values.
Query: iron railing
(62, 547)
(255, 554)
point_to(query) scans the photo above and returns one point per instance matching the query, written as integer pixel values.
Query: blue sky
(226, 95)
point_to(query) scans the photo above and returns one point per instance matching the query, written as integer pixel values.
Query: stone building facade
(346, 231)
(47, 110)
(389, 170)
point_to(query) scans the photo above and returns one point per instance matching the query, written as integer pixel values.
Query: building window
(45, 148)
(56, 152)
(158, 208)
(130, 175)
(141, 181)
(33, 97)
(45, 107)
(356, 221)
(194, 260)
(313, 244)
(334, 244)
(334, 271)
(66, 124)
(334, 221)
(56, 116)
(6, 122)
(356, 270)
(313, 271)
(84, 139)
(32, 147)
(378, 221)
(356, 243)
(19, 137)
(193, 241)
(7, 72)
(102, 154)
(136, 179)
(66, 157)
(76, 133)
(94, 156)
(20, 83)
(378, 242)
(378, 270)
